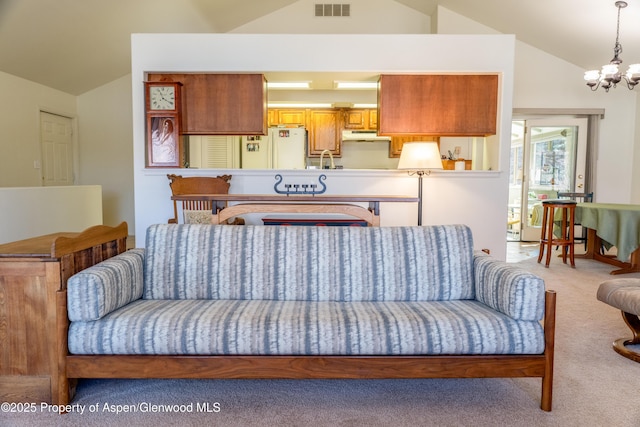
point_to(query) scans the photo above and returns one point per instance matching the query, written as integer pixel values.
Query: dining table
(611, 225)
(297, 203)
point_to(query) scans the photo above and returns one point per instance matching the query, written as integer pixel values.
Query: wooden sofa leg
(549, 343)
(63, 389)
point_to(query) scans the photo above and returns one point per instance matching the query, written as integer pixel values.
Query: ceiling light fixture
(289, 85)
(610, 74)
(277, 104)
(355, 85)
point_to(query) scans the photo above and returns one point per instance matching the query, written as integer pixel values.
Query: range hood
(362, 136)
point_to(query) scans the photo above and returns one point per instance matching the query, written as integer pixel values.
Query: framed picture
(163, 141)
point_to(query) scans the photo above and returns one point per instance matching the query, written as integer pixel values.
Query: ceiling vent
(333, 9)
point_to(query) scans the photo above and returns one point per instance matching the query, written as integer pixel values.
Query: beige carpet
(593, 385)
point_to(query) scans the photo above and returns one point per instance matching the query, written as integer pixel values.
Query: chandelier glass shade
(610, 75)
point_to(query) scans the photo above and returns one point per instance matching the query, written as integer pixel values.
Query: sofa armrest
(508, 289)
(100, 289)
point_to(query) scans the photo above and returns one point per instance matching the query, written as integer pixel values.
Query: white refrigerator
(282, 148)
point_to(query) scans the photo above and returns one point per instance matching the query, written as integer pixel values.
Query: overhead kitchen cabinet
(361, 119)
(294, 117)
(438, 104)
(356, 119)
(221, 104)
(324, 132)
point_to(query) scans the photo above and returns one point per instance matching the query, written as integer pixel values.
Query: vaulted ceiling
(77, 45)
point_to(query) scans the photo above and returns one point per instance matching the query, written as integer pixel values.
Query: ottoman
(624, 294)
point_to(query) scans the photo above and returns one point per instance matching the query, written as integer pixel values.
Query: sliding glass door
(547, 156)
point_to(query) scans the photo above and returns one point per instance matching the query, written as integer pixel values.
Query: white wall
(367, 17)
(635, 176)
(35, 211)
(106, 151)
(565, 88)
(20, 124)
(450, 197)
(544, 81)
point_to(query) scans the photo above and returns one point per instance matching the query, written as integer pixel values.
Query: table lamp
(419, 158)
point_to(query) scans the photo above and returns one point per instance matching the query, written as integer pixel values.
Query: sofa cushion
(194, 261)
(94, 292)
(509, 288)
(212, 327)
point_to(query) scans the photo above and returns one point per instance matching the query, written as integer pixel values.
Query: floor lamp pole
(420, 175)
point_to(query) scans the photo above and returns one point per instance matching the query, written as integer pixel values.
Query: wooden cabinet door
(443, 105)
(395, 146)
(356, 119)
(324, 132)
(272, 117)
(373, 119)
(361, 119)
(292, 117)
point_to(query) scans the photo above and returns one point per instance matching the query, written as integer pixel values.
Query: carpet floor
(593, 385)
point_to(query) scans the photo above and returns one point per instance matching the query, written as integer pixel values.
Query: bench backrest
(196, 261)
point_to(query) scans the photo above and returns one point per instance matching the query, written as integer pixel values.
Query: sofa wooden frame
(74, 367)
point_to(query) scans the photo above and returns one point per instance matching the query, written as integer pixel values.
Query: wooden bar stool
(564, 237)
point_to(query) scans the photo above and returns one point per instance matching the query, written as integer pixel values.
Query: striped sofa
(308, 302)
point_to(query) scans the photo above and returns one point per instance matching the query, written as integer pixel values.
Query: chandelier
(610, 74)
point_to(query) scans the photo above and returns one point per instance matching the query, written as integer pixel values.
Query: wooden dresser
(33, 314)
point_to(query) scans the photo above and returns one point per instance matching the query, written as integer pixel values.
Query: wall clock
(163, 118)
(162, 98)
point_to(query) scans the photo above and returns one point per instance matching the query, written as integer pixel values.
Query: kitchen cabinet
(373, 119)
(361, 119)
(356, 119)
(272, 117)
(395, 146)
(296, 117)
(443, 105)
(324, 132)
(325, 125)
(221, 104)
(33, 316)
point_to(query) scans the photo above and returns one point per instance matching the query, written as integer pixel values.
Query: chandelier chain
(617, 49)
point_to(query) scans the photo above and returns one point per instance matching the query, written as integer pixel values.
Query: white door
(550, 158)
(57, 149)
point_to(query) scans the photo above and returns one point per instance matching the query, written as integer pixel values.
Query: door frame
(530, 233)
(593, 116)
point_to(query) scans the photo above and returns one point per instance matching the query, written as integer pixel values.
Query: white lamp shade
(592, 75)
(610, 70)
(420, 156)
(634, 71)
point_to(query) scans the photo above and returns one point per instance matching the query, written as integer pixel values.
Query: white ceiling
(77, 45)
